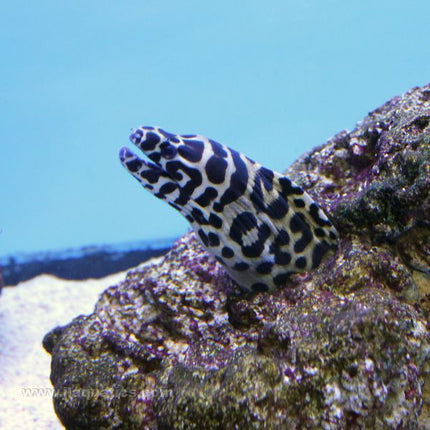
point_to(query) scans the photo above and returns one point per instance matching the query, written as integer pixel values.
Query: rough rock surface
(347, 346)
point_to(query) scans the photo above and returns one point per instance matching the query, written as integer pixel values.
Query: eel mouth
(140, 168)
(132, 161)
(155, 179)
(135, 163)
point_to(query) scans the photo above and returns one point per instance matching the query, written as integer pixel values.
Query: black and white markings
(258, 223)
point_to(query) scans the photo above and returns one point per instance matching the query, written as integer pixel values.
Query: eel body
(257, 223)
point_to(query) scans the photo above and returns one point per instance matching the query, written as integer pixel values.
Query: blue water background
(271, 79)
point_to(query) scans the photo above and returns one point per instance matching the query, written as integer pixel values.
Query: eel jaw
(153, 178)
(149, 175)
(147, 139)
(134, 164)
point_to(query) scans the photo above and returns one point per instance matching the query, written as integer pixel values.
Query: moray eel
(257, 223)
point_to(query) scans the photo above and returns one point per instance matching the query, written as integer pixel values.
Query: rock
(344, 367)
(346, 346)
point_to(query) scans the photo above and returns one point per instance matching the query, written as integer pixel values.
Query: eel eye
(168, 151)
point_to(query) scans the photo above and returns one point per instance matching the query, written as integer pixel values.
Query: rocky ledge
(347, 346)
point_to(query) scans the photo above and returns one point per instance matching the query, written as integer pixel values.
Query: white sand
(27, 312)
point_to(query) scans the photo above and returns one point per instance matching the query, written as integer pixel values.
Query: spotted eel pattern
(257, 223)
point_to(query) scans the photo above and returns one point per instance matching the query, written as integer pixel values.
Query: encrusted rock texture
(174, 346)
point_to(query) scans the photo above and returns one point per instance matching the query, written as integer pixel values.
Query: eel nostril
(136, 136)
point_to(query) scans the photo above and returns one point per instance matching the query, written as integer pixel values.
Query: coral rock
(346, 346)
